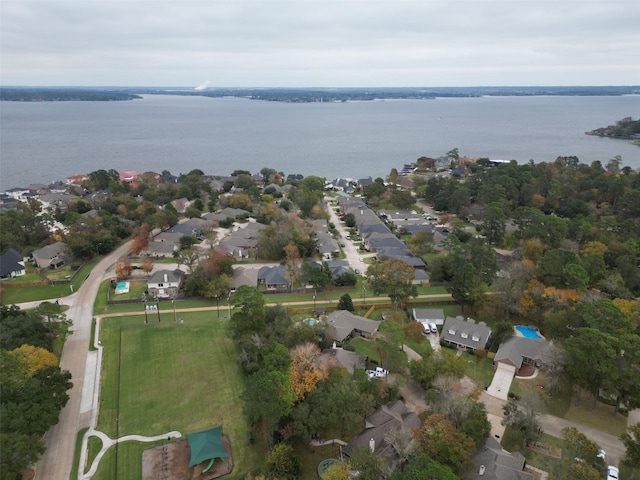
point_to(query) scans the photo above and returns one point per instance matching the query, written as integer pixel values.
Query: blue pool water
(528, 332)
(121, 285)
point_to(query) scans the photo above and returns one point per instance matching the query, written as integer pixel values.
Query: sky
(319, 43)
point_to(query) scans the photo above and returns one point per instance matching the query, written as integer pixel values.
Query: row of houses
(378, 238)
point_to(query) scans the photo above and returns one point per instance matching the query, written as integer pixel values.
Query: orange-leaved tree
(306, 369)
(34, 358)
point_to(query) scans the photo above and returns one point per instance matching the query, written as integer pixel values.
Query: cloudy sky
(240, 43)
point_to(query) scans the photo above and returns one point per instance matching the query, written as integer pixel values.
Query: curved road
(56, 463)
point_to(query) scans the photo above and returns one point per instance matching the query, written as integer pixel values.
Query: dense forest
(626, 128)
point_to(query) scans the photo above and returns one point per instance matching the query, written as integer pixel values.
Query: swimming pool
(528, 332)
(122, 287)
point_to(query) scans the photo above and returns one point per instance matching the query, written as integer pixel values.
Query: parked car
(426, 328)
(378, 372)
(612, 473)
(358, 272)
(602, 454)
(433, 328)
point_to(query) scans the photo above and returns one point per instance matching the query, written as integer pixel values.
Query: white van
(433, 328)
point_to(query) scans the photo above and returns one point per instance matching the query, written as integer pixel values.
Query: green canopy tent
(206, 445)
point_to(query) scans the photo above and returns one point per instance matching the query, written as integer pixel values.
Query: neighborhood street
(56, 463)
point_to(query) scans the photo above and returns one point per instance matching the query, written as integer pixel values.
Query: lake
(46, 141)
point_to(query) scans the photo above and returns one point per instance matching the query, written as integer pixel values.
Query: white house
(165, 283)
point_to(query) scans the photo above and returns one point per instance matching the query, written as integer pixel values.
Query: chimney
(372, 445)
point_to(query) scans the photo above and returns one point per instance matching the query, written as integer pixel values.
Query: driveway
(501, 382)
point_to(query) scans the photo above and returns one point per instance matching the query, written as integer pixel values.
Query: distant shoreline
(300, 95)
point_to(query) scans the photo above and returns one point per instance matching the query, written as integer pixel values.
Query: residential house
(350, 361)
(429, 316)
(465, 334)
(17, 193)
(327, 245)
(12, 264)
(165, 283)
(59, 201)
(77, 180)
(244, 240)
(161, 249)
(521, 352)
(375, 241)
(388, 420)
(244, 276)
(342, 325)
(274, 278)
(364, 182)
(180, 204)
(494, 463)
(52, 256)
(129, 176)
(421, 277)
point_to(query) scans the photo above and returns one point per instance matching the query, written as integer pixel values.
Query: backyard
(166, 376)
(10, 296)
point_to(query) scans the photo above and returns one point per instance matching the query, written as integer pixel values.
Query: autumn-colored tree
(413, 331)
(442, 442)
(35, 358)
(337, 471)
(240, 200)
(146, 264)
(139, 243)
(306, 369)
(593, 248)
(124, 268)
(532, 249)
(292, 259)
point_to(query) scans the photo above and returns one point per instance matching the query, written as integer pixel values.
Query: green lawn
(562, 403)
(136, 289)
(10, 296)
(183, 377)
(28, 278)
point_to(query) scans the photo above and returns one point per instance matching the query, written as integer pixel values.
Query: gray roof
(513, 350)
(342, 323)
(162, 248)
(345, 359)
(388, 418)
(169, 276)
(44, 255)
(499, 464)
(10, 262)
(428, 314)
(244, 276)
(276, 275)
(466, 333)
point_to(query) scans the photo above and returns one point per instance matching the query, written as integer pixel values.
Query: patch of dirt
(27, 474)
(171, 462)
(554, 452)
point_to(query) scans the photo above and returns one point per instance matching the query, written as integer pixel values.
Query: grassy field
(170, 376)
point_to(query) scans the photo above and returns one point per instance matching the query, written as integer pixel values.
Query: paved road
(56, 463)
(350, 250)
